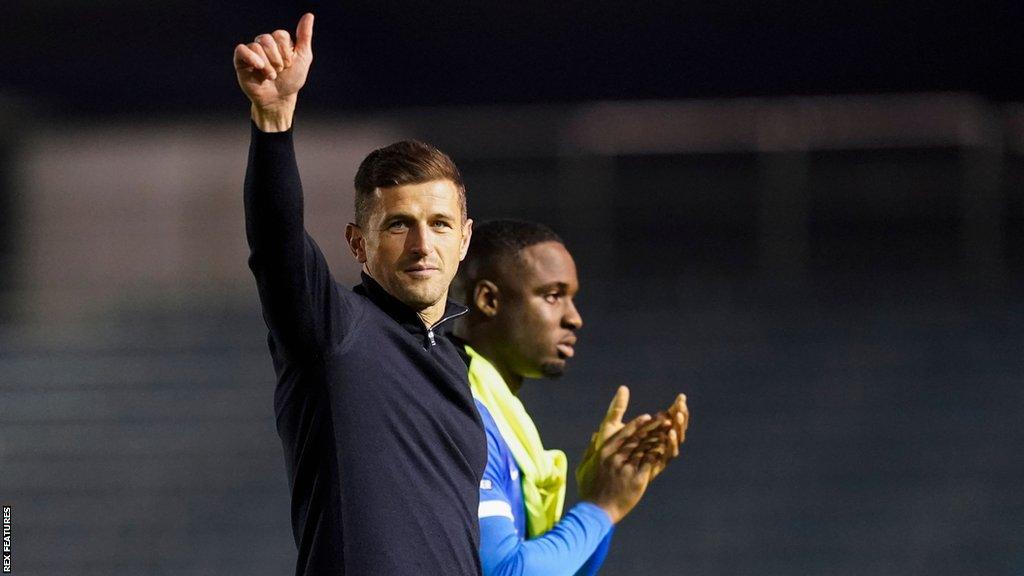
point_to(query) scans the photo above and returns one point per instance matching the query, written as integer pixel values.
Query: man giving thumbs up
(383, 444)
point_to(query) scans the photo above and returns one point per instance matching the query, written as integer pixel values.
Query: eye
(552, 298)
(397, 226)
(441, 224)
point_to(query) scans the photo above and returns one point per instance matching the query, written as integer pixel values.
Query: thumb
(617, 409)
(304, 34)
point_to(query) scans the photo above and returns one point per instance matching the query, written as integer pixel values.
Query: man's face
(536, 312)
(414, 240)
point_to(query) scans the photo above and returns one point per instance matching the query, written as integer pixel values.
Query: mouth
(565, 350)
(422, 271)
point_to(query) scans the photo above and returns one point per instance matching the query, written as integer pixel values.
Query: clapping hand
(622, 459)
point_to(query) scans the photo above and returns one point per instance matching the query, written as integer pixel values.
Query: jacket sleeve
(562, 551)
(303, 308)
(593, 564)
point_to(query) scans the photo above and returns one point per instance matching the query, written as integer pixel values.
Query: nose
(417, 241)
(572, 318)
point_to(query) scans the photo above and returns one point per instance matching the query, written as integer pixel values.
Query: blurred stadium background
(810, 219)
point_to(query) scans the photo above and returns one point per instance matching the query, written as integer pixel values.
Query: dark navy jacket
(383, 445)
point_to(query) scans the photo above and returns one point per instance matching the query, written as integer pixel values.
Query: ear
(356, 242)
(467, 233)
(485, 298)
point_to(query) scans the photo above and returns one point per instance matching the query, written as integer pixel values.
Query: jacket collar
(403, 314)
(460, 346)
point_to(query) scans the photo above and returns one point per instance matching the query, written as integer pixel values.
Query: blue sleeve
(597, 558)
(560, 551)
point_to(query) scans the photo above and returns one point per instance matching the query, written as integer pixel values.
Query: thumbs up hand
(271, 70)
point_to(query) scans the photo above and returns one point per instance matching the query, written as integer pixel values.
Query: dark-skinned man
(519, 281)
(383, 444)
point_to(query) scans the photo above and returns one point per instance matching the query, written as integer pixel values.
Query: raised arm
(301, 305)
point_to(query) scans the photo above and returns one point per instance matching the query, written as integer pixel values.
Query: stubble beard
(553, 370)
(420, 297)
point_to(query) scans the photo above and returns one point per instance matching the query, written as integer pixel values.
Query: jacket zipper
(430, 331)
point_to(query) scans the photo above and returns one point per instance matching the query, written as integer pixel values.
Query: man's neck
(434, 313)
(514, 381)
(488, 350)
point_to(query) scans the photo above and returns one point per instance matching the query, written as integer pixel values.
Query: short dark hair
(401, 163)
(495, 247)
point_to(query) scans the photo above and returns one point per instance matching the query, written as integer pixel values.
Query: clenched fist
(271, 70)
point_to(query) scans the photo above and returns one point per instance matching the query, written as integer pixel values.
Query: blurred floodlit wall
(140, 215)
(129, 217)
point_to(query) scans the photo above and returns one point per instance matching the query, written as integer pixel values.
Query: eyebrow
(397, 217)
(408, 217)
(560, 285)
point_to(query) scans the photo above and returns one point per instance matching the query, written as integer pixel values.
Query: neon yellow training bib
(541, 472)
